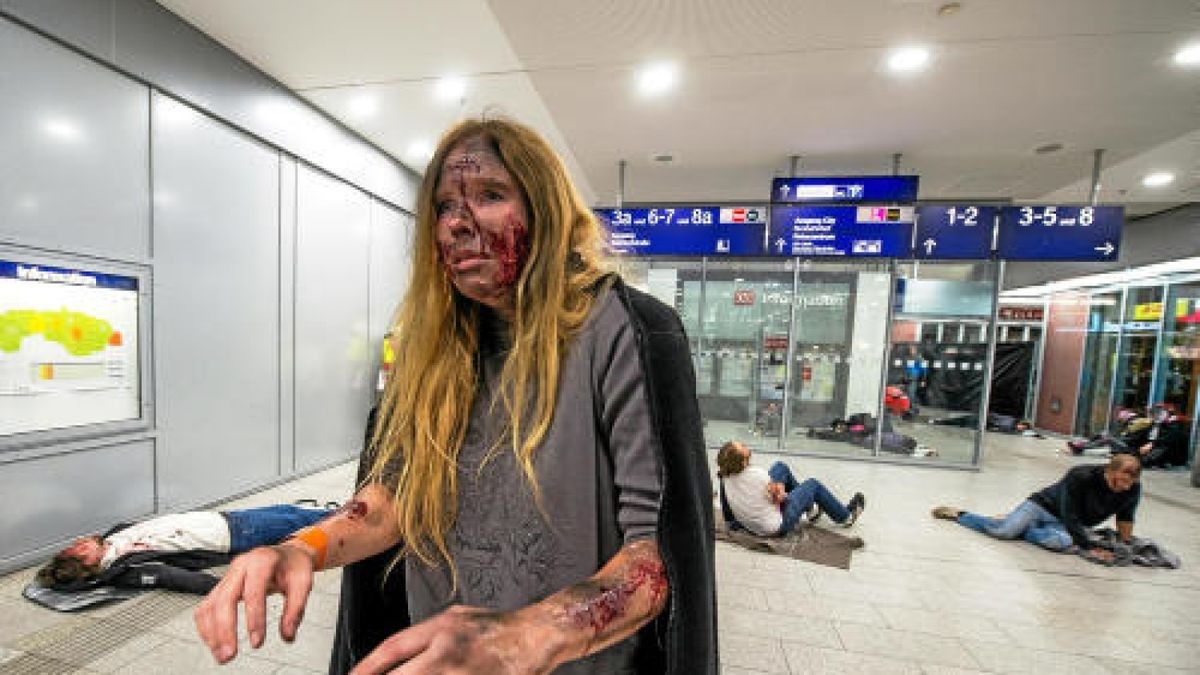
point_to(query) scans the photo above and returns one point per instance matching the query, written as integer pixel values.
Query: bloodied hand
(482, 224)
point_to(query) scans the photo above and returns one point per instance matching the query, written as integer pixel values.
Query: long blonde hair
(424, 412)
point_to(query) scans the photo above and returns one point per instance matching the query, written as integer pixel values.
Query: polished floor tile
(923, 596)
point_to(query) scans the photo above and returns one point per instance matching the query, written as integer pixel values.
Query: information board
(836, 231)
(845, 189)
(693, 230)
(1056, 232)
(68, 348)
(954, 232)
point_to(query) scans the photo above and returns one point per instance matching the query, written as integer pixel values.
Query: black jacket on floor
(170, 570)
(682, 640)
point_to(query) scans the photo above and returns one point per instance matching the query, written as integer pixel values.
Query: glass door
(1178, 382)
(1139, 340)
(1099, 363)
(823, 316)
(744, 334)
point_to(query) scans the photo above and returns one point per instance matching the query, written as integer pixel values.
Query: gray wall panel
(50, 499)
(148, 41)
(216, 284)
(73, 172)
(391, 244)
(287, 313)
(87, 25)
(334, 379)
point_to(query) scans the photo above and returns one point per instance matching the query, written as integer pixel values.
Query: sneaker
(946, 512)
(857, 503)
(814, 514)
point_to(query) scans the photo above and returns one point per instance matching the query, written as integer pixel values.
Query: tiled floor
(924, 596)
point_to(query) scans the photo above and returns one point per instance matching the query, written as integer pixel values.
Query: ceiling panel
(761, 80)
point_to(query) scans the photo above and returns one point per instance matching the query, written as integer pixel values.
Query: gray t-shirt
(600, 442)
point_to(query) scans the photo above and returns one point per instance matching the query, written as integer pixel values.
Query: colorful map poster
(68, 348)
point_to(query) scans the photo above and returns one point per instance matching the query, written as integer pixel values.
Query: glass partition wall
(799, 356)
(1142, 348)
(939, 366)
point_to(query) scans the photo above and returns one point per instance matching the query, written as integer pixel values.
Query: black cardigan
(682, 640)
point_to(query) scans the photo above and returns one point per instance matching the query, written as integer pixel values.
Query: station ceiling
(758, 82)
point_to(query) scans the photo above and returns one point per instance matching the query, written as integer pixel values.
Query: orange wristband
(317, 539)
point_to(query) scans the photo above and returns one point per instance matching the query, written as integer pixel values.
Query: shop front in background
(800, 357)
(1141, 348)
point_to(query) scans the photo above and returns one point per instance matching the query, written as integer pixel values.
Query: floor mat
(812, 544)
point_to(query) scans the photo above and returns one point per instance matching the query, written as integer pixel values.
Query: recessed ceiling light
(61, 129)
(451, 88)
(1188, 56)
(1158, 179)
(908, 59)
(363, 106)
(657, 78)
(420, 151)
(1048, 148)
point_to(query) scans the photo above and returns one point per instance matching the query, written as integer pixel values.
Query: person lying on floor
(1057, 517)
(1159, 440)
(1128, 422)
(770, 502)
(168, 551)
(995, 422)
(860, 430)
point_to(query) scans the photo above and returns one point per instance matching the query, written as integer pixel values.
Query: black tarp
(954, 377)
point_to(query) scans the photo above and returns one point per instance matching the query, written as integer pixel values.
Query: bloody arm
(582, 619)
(362, 527)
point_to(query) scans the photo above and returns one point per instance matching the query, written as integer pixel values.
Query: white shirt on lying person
(191, 531)
(747, 495)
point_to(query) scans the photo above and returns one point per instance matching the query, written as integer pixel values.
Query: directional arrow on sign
(779, 243)
(930, 244)
(1107, 248)
(783, 191)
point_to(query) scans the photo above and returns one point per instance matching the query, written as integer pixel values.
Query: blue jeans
(801, 496)
(1030, 521)
(267, 525)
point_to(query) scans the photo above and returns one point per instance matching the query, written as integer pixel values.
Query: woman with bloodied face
(536, 470)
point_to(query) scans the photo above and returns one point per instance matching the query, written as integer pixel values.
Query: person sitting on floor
(1160, 439)
(167, 551)
(770, 502)
(1162, 443)
(1057, 517)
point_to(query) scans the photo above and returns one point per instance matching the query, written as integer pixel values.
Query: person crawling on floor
(1058, 516)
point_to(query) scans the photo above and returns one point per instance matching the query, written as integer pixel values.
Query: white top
(747, 495)
(191, 531)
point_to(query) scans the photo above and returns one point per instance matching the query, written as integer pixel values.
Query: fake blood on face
(482, 237)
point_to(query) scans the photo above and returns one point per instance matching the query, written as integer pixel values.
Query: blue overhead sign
(1054, 232)
(701, 230)
(954, 232)
(844, 189)
(835, 231)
